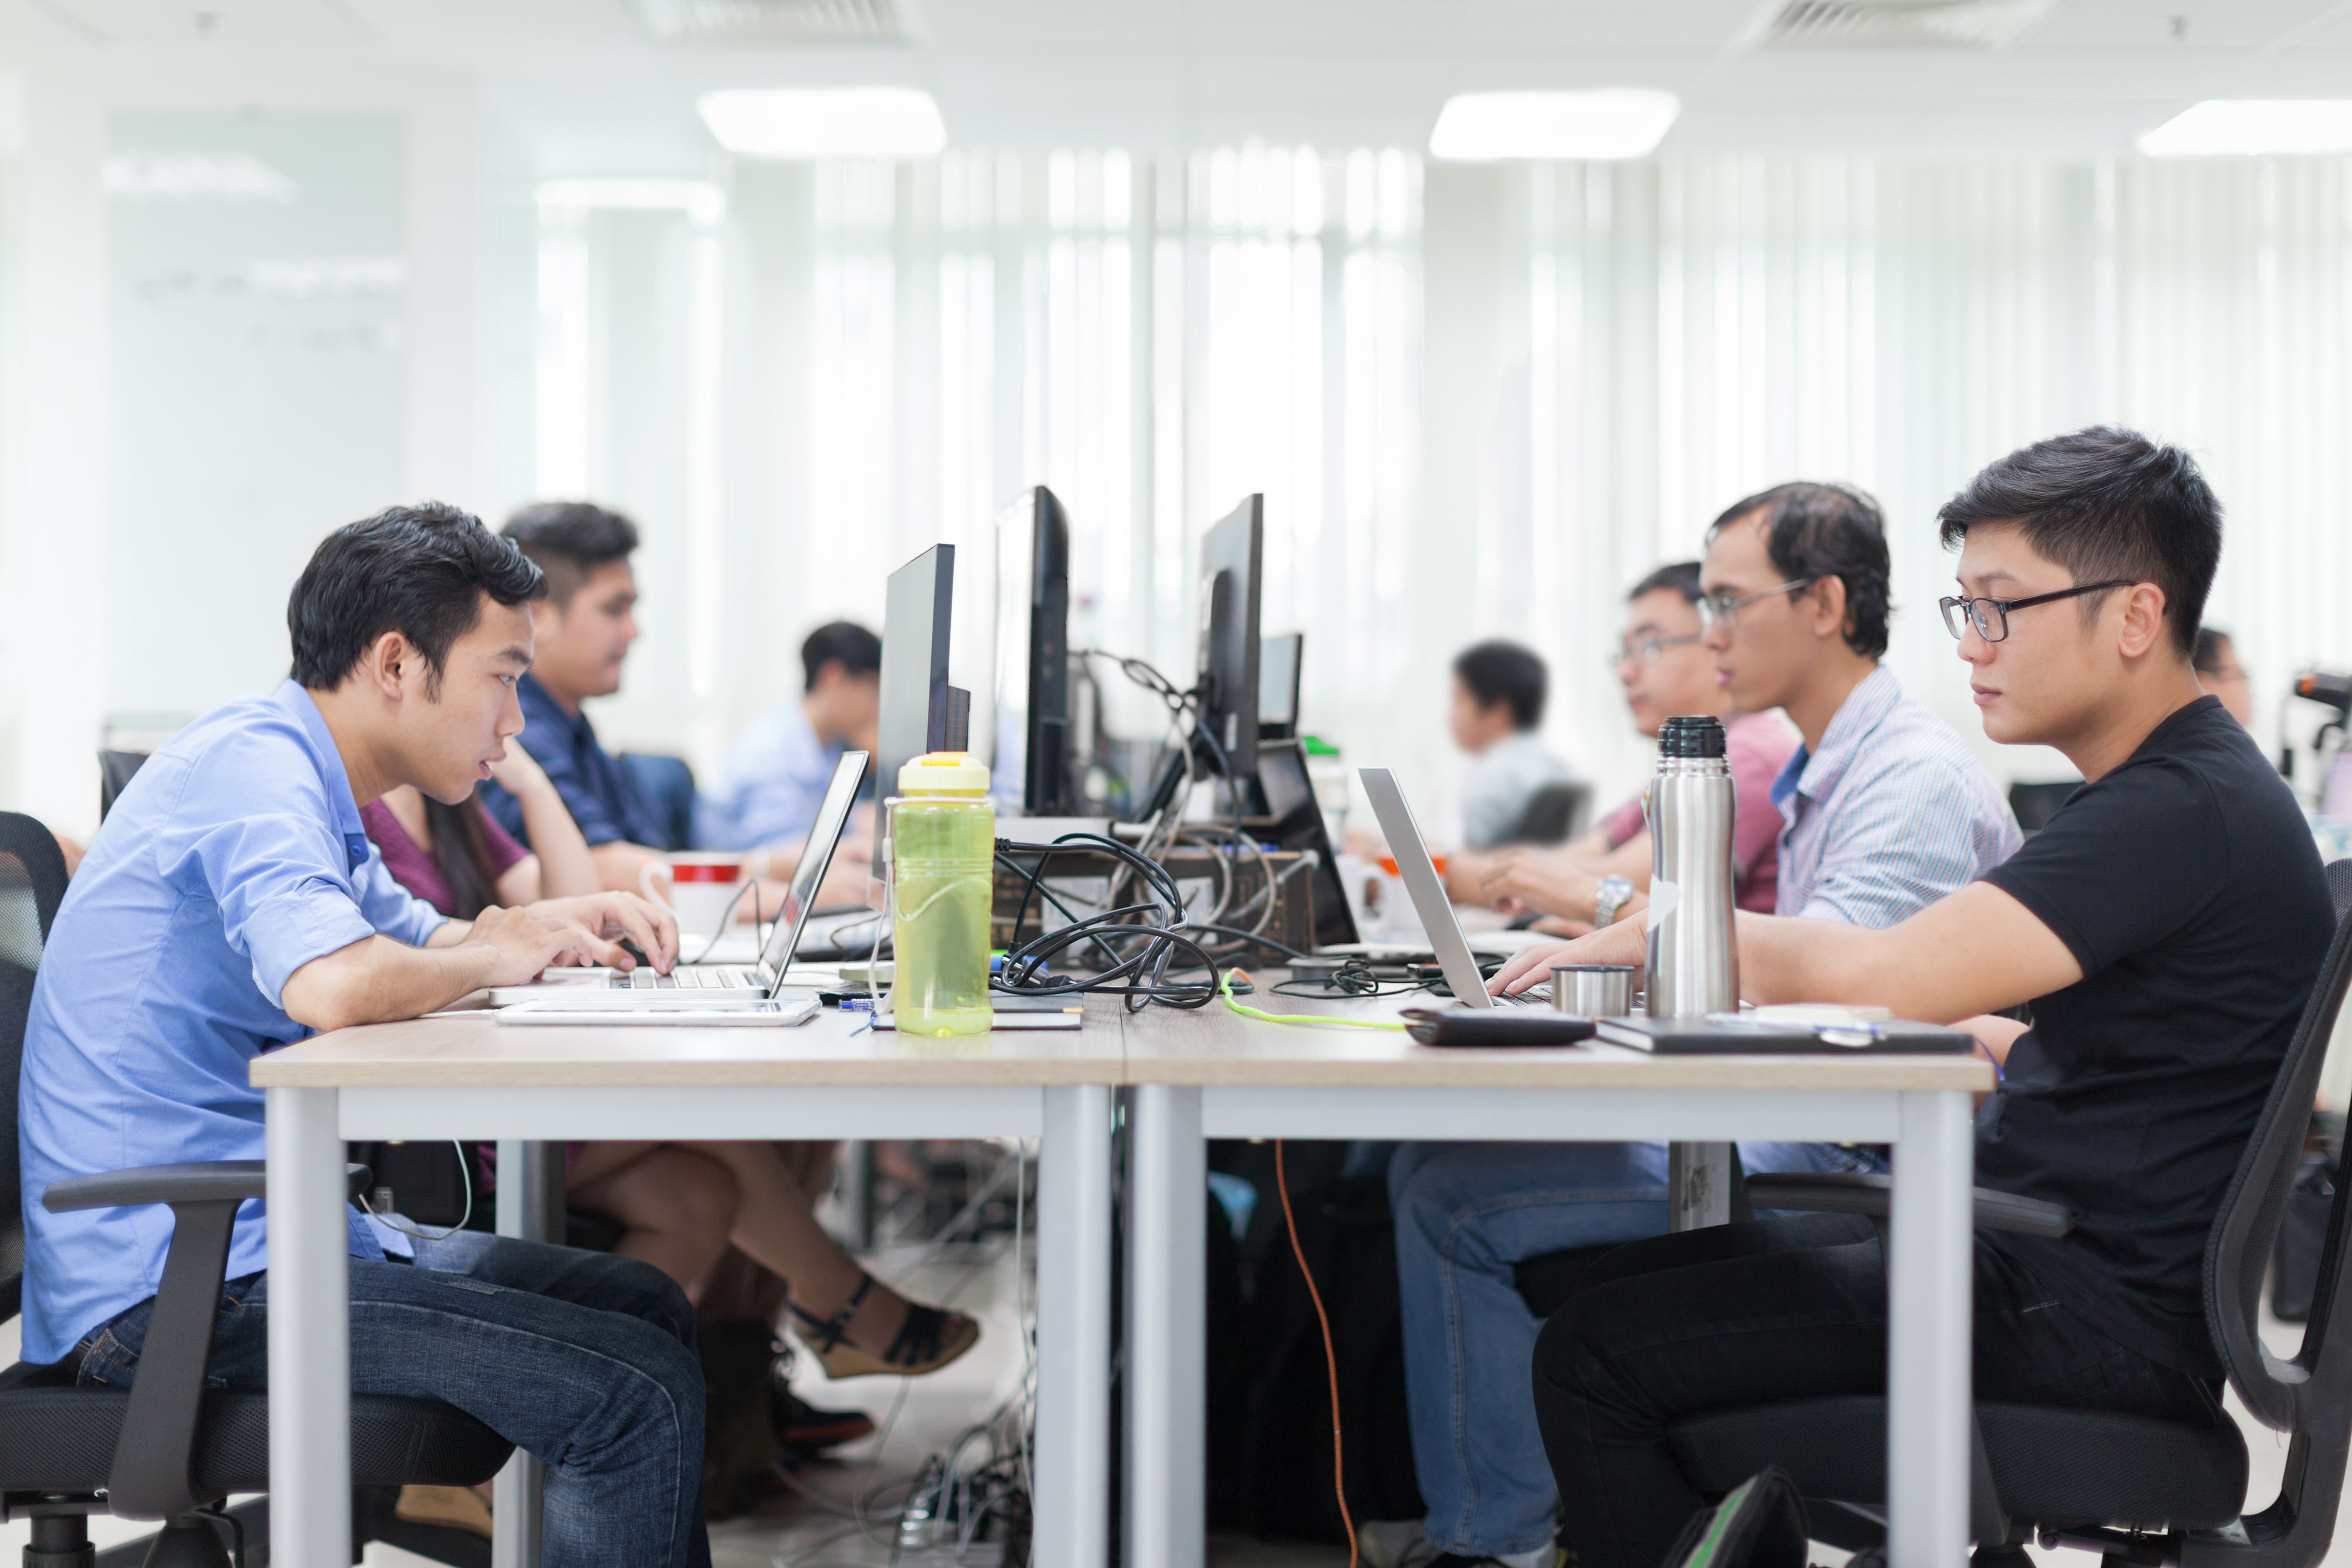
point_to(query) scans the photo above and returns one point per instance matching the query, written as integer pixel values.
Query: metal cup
(1593, 990)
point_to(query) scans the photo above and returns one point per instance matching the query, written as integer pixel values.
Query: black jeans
(1783, 1309)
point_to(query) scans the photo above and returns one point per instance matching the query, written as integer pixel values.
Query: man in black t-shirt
(2166, 927)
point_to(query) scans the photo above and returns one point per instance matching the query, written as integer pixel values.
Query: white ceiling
(590, 90)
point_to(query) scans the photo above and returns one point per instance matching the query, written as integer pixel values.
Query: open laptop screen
(816, 859)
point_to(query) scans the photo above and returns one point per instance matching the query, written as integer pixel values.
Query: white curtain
(1479, 401)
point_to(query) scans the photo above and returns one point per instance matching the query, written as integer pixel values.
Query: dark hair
(1816, 529)
(420, 571)
(461, 847)
(2106, 503)
(569, 540)
(1504, 672)
(844, 643)
(1674, 577)
(2206, 658)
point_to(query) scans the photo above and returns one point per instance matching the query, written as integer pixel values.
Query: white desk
(467, 1078)
(1217, 1075)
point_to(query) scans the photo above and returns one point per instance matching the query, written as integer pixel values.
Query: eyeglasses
(1645, 649)
(1991, 617)
(1717, 609)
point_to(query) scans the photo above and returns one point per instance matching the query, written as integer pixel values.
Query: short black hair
(845, 643)
(1674, 577)
(1814, 529)
(420, 571)
(2106, 503)
(1502, 671)
(569, 540)
(2206, 658)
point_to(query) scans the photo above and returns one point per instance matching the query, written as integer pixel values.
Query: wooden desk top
(473, 1051)
(1217, 1047)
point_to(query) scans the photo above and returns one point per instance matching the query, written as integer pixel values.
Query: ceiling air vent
(1904, 24)
(684, 20)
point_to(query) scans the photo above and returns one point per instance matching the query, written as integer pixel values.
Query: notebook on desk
(1720, 1034)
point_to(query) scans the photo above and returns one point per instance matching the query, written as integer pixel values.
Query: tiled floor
(822, 1529)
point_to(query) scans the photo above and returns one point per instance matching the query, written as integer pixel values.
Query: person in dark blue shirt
(583, 626)
(232, 903)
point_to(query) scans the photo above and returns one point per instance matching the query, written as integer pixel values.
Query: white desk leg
(529, 1191)
(310, 1330)
(1073, 1467)
(1167, 1330)
(1928, 1344)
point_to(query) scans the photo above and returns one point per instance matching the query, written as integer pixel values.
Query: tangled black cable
(1354, 977)
(1152, 934)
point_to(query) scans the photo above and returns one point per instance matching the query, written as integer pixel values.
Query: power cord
(1157, 930)
(399, 1222)
(1330, 1357)
(1226, 990)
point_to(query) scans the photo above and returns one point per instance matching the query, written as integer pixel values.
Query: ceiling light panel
(685, 20)
(825, 122)
(1611, 123)
(2247, 127)
(1904, 24)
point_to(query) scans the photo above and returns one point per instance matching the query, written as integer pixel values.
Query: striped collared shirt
(1893, 813)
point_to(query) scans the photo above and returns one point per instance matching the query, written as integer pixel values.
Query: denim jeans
(1465, 1213)
(585, 1360)
(1783, 1309)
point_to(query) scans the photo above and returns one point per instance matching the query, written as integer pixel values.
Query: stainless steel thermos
(1693, 965)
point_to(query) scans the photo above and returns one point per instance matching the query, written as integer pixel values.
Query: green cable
(1226, 990)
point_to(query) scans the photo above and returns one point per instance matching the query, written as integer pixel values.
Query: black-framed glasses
(1991, 617)
(1645, 649)
(1717, 609)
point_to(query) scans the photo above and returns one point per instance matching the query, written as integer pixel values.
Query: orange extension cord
(1330, 1360)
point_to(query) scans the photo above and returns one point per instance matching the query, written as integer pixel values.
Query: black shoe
(808, 1430)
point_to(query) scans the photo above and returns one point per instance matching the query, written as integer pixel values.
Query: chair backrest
(32, 885)
(2033, 805)
(114, 770)
(666, 786)
(1555, 814)
(2280, 1391)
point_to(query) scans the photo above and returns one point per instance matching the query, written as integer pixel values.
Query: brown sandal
(926, 1341)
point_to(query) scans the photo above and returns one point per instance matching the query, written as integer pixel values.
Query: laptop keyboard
(715, 978)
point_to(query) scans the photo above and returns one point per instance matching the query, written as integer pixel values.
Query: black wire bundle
(1151, 934)
(1352, 978)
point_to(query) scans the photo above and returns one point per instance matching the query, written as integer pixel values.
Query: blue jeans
(1465, 1213)
(582, 1359)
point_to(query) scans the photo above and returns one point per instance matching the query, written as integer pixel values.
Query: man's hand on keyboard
(609, 917)
(1627, 942)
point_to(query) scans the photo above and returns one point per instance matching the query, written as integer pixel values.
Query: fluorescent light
(825, 122)
(703, 203)
(1609, 124)
(2221, 126)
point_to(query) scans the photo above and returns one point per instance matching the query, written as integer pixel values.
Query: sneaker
(1423, 1553)
(1386, 1542)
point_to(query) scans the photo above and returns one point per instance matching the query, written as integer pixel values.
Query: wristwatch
(1608, 899)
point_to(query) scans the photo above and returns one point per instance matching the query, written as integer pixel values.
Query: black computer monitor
(1032, 761)
(1231, 554)
(915, 613)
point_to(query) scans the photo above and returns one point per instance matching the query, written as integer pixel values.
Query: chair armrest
(153, 1475)
(1873, 1195)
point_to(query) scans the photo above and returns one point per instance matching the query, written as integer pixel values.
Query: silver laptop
(720, 987)
(1410, 853)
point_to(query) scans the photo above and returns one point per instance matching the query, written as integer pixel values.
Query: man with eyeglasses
(2165, 928)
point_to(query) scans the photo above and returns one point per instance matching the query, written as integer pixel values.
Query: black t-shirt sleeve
(2125, 863)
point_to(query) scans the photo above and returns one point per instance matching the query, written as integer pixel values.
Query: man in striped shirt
(1885, 810)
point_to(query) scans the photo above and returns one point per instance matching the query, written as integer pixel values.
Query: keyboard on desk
(717, 978)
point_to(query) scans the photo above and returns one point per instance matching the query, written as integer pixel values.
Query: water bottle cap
(1691, 735)
(944, 772)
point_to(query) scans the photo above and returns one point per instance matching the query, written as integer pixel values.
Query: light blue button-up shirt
(234, 856)
(1892, 813)
(770, 786)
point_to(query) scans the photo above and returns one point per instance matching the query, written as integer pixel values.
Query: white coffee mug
(702, 889)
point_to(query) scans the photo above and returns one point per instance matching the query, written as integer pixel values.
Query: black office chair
(1555, 814)
(666, 786)
(2033, 805)
(2136, 1489)
(114, 772)
(170, 1448)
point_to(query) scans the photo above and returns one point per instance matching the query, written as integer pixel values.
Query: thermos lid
(944, 772)
(1691, 735)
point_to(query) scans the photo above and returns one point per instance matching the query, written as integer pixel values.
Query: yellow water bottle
(943, 876)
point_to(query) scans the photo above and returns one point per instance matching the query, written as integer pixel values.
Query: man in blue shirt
(584, 626)
(232, 903)
(766, 793)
